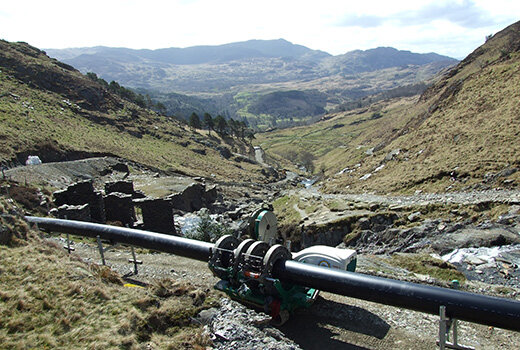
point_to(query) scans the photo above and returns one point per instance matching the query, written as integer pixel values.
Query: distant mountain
(50, 109)
(206, 68)
(461, 134)
(380, 58)
(257, 68)
(192, 55)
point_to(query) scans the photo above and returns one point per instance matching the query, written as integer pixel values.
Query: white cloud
(465, 13)
(335, 26)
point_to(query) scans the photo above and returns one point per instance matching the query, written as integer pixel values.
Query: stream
(498, 263)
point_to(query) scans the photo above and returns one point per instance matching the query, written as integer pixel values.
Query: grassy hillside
(50, 109)
(52, 300)
(340, 142)
(461, 133)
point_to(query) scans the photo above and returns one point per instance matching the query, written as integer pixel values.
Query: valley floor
(333, 321)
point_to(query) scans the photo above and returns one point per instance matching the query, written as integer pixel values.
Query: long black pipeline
(189, 248)
(491, 311)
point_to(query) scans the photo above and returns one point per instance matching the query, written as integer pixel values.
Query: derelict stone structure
(119, 207)
(157, 214)
(73, 212)
(121, 198)
(122, 186)
(81, 193)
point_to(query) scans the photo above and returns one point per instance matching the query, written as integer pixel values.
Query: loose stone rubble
(233, 326)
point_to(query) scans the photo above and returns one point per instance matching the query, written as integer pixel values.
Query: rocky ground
(478, 232)
(332, 322)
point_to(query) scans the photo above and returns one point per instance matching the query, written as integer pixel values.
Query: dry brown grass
(49, 299)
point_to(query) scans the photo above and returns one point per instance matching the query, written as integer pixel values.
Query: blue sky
(453, 28)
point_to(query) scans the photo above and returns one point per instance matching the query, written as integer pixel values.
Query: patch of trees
(222, 126)
(208, 122)
(143, 101)
(194, 121)
(182, 106)
(289, 104)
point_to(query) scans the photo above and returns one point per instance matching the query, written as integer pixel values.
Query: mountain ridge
(385, 57)
(201, 53)
(461, 134)
(249, 49)
(222, 74)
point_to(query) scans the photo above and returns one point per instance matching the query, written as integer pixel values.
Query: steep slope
(470, 130)
(462, 133)
(52, 110)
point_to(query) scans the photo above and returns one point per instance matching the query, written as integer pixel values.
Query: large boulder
(194, 197)
(190, 199)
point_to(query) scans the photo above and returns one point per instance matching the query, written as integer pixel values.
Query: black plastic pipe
(491, 311)
(189, 248)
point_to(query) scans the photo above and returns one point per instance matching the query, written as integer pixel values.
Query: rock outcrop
(194, 197)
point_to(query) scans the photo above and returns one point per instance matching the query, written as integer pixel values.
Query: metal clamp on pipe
(245, 270)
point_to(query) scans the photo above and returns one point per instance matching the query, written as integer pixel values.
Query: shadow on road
(317, 327)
